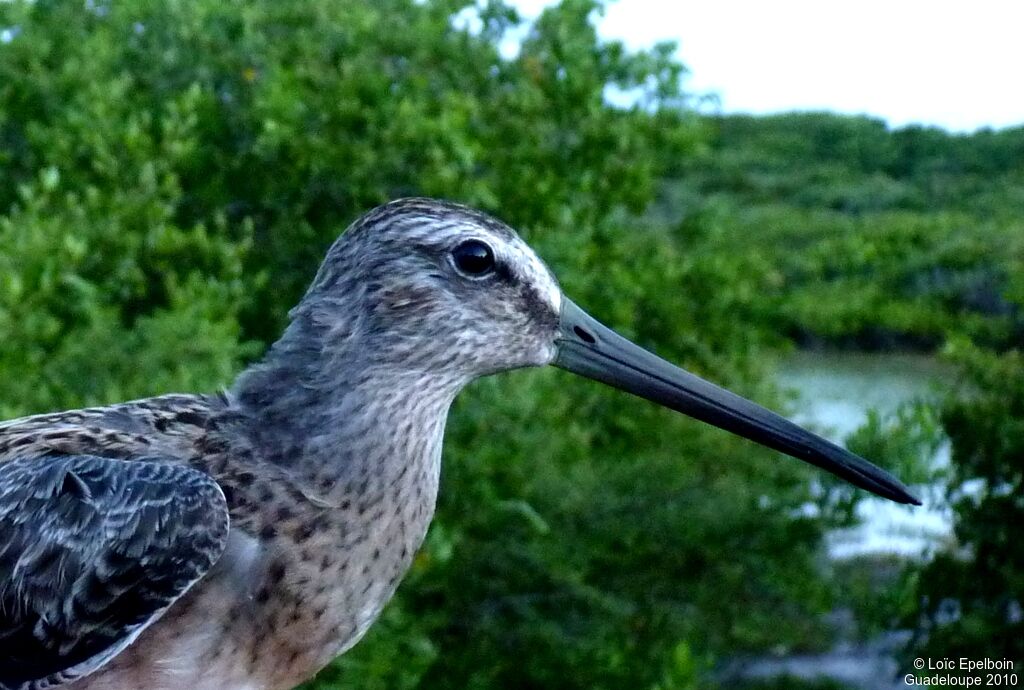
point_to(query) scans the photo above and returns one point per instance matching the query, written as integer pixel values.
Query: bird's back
(170, 426)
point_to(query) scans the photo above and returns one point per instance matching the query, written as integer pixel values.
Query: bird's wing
(92, 550)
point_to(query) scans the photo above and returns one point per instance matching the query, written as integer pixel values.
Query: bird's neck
(343, 423)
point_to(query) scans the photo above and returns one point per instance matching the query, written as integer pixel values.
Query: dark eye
(474, 258)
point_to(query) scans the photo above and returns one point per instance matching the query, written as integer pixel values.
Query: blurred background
(171, 173)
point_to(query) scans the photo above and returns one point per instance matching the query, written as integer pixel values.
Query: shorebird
(244, 540)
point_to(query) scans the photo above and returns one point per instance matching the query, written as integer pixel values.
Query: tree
(971, 596)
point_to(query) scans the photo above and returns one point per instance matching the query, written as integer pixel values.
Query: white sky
(959, 65)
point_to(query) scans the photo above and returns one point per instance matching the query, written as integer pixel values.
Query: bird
(242, 540)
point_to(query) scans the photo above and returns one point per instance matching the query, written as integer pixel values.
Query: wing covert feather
(92, 550)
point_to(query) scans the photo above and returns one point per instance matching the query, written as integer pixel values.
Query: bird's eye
(473, 258)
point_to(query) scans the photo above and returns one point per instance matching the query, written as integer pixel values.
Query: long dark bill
(590, 349)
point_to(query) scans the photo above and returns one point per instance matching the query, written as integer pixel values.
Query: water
(867, 665)
(833, 394)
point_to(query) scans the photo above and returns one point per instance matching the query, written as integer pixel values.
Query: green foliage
(847, 234)
(971, 596)
(103, 296)
(293, 118)
(908, 439)
(854, 236)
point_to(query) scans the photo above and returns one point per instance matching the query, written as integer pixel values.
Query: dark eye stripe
(473, 258)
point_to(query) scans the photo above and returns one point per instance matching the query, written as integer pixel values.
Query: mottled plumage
(93, 550)
(242, 541)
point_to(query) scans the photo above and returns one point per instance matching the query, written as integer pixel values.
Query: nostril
(583, 335)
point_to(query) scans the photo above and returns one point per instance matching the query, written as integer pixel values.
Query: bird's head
(434, 289)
